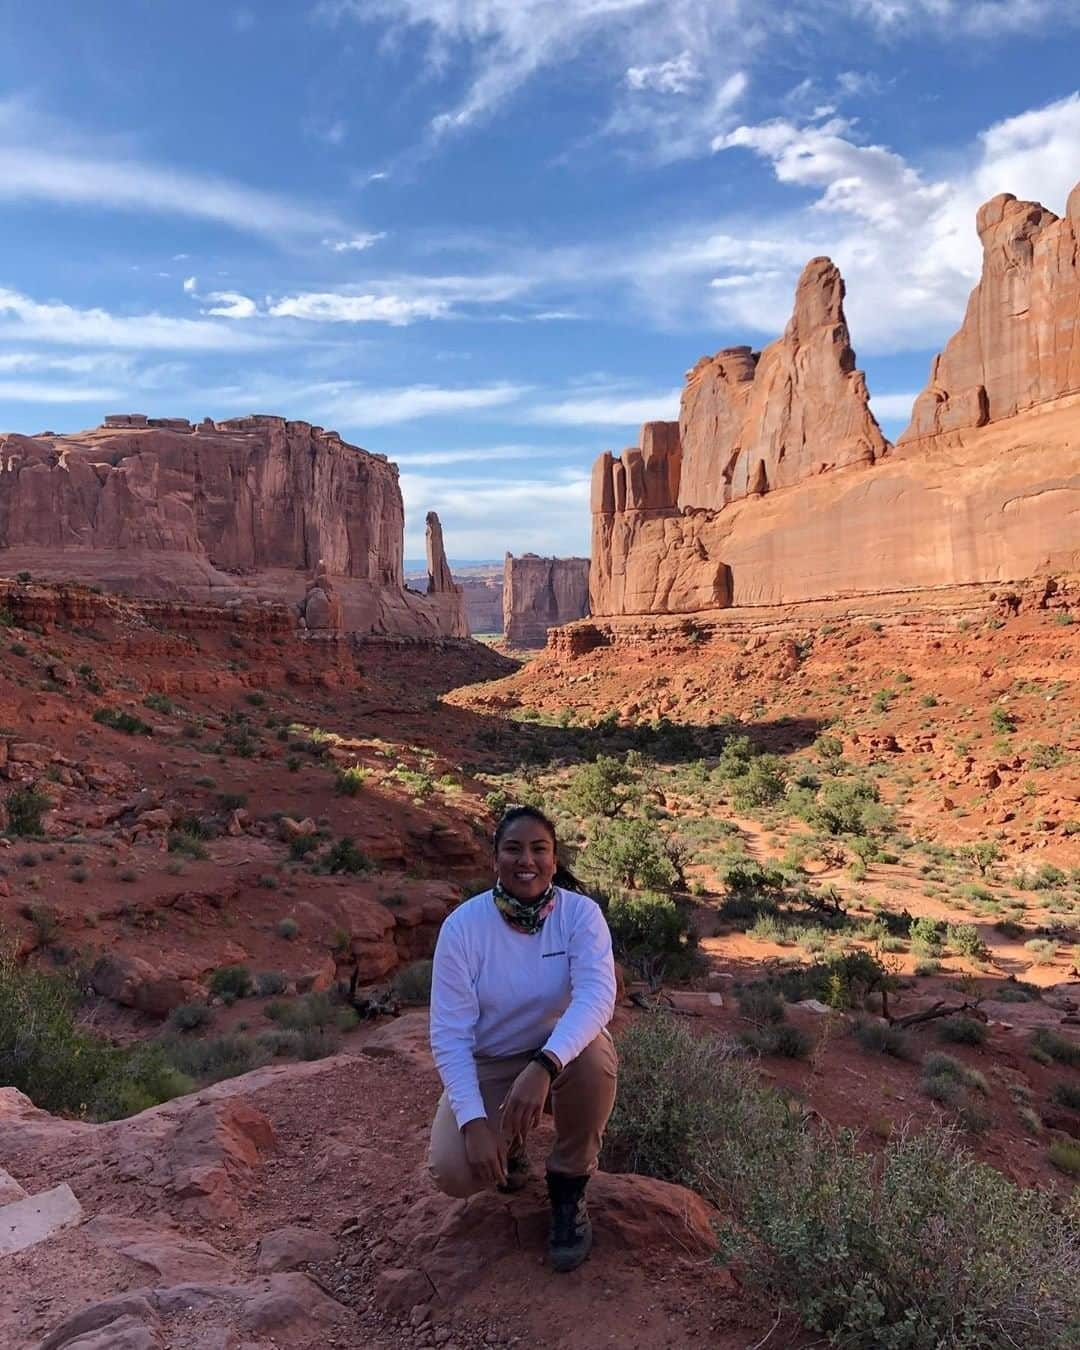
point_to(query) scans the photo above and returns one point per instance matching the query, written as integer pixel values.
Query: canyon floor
(213, 826)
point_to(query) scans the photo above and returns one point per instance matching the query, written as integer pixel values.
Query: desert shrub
(882, 1038)
(846, 807)
(630, 854)
(318, 1042)
(159, 702)
(947, 1081)
(313, 1010)
(287, 928)
(412, 983)
(302, 845)
(1042, 950)
(1001, 721)
(185, 843)
(232, 801)
(120, 720)
(761, 785)
(189, 1017)
(230, 983)
(278, 1041)
(1017, 991)
(269, 982)
(211, 1060)
(268, 882)
(1064, 1154)
(349, 781)
(926, 935)
(961, 1030)
(1054, 1046)
(1068, 1095)
(921, 1249)
(746, 879)
(964, 938)
(606, 787)
(345, 856)
(781, 1039)
(646, 926)
(927, 966)
(61, 1067)
(760, 1004)
(25, 807)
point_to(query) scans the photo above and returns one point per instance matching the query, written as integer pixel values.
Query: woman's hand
(486, 1152)
(524, 1104)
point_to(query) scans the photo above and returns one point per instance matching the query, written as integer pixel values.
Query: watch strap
(546, 1061)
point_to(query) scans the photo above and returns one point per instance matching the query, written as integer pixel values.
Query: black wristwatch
(547, 1061)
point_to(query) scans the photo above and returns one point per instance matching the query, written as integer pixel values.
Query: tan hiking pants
(580, 1101)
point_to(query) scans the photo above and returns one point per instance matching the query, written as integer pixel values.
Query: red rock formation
(988, 488)
(483, 603)
(1019, 344)
(750, 423)
(321, 610)
(156, 507)
(540, 593)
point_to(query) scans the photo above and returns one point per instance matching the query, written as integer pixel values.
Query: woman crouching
(522, 991)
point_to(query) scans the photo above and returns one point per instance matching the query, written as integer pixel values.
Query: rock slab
(542, 593)
(24, 1223)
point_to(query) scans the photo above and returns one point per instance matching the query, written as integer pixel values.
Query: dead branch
(939, 1009)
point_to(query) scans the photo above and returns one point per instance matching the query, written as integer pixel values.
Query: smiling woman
(522, 991)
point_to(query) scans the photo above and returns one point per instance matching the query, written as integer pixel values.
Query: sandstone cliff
(218, 510)
(753, 422)
(777, 486)
(541, 593)
(1019, 344)
(441, 582)
(483, 603)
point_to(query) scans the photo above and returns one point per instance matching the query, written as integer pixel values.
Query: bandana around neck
(527, 916)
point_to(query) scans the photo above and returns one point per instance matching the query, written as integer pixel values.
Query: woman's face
(525, 859)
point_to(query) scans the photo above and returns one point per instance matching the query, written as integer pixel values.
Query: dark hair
(563, 876)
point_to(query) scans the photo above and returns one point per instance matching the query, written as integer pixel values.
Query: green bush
(209, 1061)
(181, 841)
(287, 928)
(1064, 1154)
(302, 845)
(630, 854)
(123, 721)
(412, 983)
(962, 1031)
(780, 1039)
(605, 788)
(1001, 722)
(645, 925)
(883, 1038)
(762, 784)
(922, 1248)
(760, 1004)
(159, 702)
(1056, 1047)
(1068, 1095)
(189, 1017)
(345, 856)
(846, 807)
(313, 1010)
(230, 983)
(348, 782)
(270, 982)
(964, 938)
(61, 1067)
(926, 935)
(25, 807)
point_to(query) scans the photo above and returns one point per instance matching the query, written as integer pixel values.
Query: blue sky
(488, 237)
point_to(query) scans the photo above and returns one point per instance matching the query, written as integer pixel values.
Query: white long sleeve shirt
(497, 992)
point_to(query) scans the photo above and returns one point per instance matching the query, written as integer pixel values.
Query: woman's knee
(451, 1180)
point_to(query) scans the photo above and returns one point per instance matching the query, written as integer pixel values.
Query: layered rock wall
(540, 593)
(780, 488)
(1019, 344)
(483, 603)
(159, 507)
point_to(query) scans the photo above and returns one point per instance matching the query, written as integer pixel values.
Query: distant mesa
(542, 593)
(252, 508)
(776, 485)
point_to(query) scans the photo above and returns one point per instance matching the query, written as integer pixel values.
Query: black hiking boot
(517, 1169)
(571, 1232)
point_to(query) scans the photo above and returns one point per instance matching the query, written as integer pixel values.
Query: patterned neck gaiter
(527, 916)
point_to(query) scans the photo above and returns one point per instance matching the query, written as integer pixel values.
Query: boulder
(289, 1248)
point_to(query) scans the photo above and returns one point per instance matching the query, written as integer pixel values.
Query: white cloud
(230, 305)
(189, 284)
(26, 391)
(905, 242)
(357, 244)
(607, 410)
(43, 161)
(354, 405)
(333, 307)
(680, 75)
(979, 18)
(25, 319)
(489, 454)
